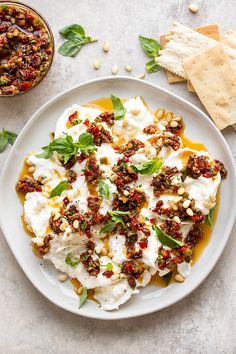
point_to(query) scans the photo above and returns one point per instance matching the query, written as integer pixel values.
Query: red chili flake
(152, 220)
(108, 273)
(72, 117)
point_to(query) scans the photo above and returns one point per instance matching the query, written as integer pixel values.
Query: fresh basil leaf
(61, 187)
(118, 108)
(167, 240)
(83, 297)
(3, 6)
(103, 190)
(167, 278)
(71, 260)
(152, 66)
(71, 31)
(209, 217)
(150, 46)
(3, 140)
(108, 227)
(64, 146)
(86, 144)
(84, 225)
(70, 48)
(149, 167)
(116, 216)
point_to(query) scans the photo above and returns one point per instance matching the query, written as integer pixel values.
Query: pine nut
(106, 47)
(178, 199)
(132, 133)
(186, 203)
(63, 227)
(139, 190)
(208, 205)
(76, 193)
(46, 194)
(174, 124)
(110, 254)
(128, 68)
(104, 251)
(177, 219)
(57, 216)
(64, 221)
(62, 277)
(159, 113)
(69, 197)
(141, 76)
(177, 118)
(164, 122)
(113, 178)
(28, 162)
(126, 193)
(76, 224)
(97, 63)
(31, 169)
(46, 180)
(124, 123)
(179, 278)
(169, 116)
(115, 277)
(193, 8)
(189, 212)
(114, 69)
(181, 191)
(135, 112)
(80, 290)
(40, 243)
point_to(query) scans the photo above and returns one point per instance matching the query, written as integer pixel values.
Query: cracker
(211, 31)
(213, 76)
(229, 39)
(183, 43)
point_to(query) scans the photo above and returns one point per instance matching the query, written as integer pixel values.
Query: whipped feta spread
(132, 203)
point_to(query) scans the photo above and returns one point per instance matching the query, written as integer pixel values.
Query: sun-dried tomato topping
(150, 129)
(94, 203)
(130, 148)
(132, 269)
(171, 228)
(40, 251)
(123, 174)
(175, 130)
(73, 118)
(108, 273)
(194, 235)
(92, 171)
(70, 163)
(91, 265)
(201, 166)
(107, 117)
(165, 139)
(133, 202)
(162, 183)
(143, 244)
(99, 133)
(71, 176)
(28, 184)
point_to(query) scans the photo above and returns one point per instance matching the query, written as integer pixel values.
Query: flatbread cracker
(211, 31)
(183, 43)
(213, 77)
(229, 39)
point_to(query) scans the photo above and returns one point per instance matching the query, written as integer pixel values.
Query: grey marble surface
(204, 322)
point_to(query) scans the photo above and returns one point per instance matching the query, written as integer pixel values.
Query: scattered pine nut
(80, 290)
(189, 212)
(63, 227)
(193, 8)
(57, 216)
(126, 193)
(128, 68)
(62, 277)
(115, 277)
(76, 224)
(169, 116)
(46, 194)
(141, 76)
(106, 47)
(186, 203)
(31, 169)
(173, 124)
(114, 69)
(110, 254)
(177, 118)
(179, 278)
(104, 251)
(159, 113)
(164, 123)
(125, 123)
(177, 219)
(181, 191)
(97, 63)
(46, 180)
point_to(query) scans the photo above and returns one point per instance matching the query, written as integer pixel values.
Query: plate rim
(218, 252)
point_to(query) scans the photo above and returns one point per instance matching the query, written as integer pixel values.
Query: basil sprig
(167, 278)
(209, 217)
(151, 47)
(103, 190)
(59, 189)
(116, 217)
(118, 108)
(149, 167)
(83, 297)
(6, 137)
(66, 147)
(76, 38)
(71, 260)
(167, 240)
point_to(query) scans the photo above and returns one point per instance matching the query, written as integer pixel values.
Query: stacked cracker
(208, 66)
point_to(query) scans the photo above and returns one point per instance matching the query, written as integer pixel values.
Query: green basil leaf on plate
(103, 190)
(83, 297)
(209, 217)
(152, 66)
(118, 108)
(149, 167)
(71, 260)
(167, 240)
(61, 187)
(150, 46)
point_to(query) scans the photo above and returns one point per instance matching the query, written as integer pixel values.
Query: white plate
(36, 134)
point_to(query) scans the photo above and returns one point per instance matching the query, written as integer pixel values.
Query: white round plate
(36, 134)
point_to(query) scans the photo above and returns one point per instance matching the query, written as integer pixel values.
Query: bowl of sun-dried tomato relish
(26, 48)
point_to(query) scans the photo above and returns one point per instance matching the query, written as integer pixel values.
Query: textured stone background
(204, 322)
